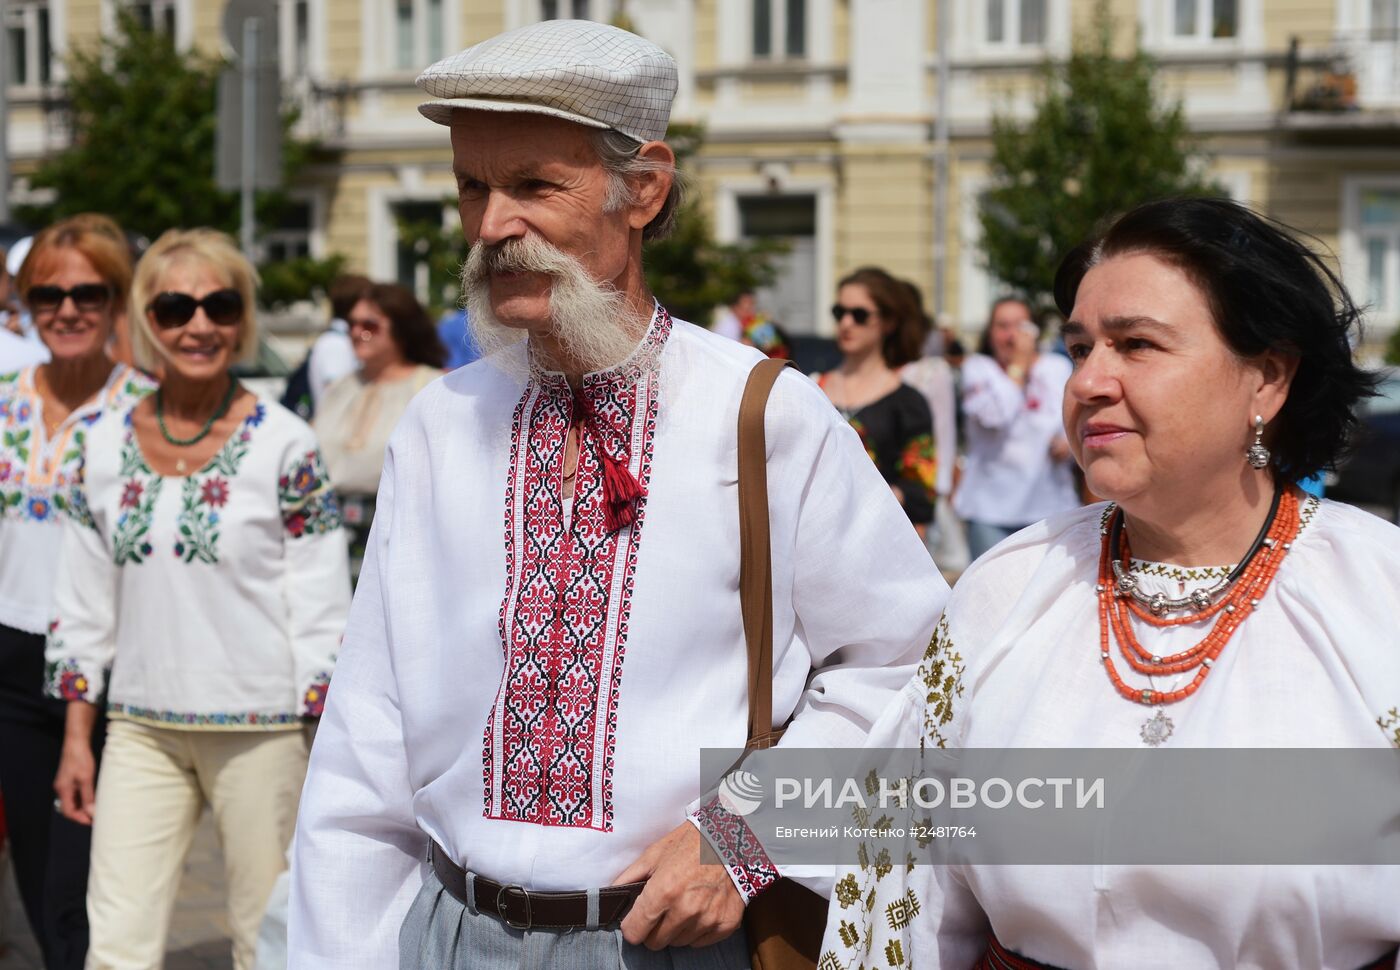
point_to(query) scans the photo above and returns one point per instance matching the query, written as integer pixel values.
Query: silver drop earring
(1258, 455)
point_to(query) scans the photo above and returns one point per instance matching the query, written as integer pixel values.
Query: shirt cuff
(737, 847)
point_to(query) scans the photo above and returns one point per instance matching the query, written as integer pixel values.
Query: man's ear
(651, 188)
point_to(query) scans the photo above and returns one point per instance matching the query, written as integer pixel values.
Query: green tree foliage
(689, 272)
(144, 118)
(1100, 143)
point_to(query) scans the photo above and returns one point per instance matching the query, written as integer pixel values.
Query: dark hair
(345, 291)
(905, 341)
(984, 342)
(412, 328)
(1268, 291)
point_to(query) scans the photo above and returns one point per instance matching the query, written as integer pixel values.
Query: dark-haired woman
(1211, 371)
(399, 354)
(879, 329)
(1017, 469)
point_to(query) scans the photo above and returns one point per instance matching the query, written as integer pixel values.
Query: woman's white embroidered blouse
(36, 472)
(217, 600)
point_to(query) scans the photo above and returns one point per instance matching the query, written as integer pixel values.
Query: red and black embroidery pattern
(551, 738)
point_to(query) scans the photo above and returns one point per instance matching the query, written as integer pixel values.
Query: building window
(417, 33)
(291, 239)
(779, 29)
(154, 14)
(1380, 250)
(1204, 20)
(571, 9)
(1015, 23)
(28, 50)
(296, 38)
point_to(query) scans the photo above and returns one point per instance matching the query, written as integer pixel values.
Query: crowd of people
(174, 571)
(453, 644)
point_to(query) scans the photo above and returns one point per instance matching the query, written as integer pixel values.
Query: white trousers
(151, 791)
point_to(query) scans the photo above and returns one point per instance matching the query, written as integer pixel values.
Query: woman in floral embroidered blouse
(879, 329)
(205, 567)
(75, 281)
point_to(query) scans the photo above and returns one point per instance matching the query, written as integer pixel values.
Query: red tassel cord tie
(621, 490)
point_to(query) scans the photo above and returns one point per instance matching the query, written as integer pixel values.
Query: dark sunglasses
(86, 296)
(368, 326)
(857, 313)
(224, 308)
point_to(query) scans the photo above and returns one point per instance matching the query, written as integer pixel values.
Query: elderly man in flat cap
(547, 629)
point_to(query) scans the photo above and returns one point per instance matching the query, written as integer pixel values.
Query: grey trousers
(439, 933)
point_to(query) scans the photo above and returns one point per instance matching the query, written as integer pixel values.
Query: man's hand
(684, 903)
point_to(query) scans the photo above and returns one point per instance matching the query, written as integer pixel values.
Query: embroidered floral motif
(738, 848)
(198, 521)
(550, 741)
(36, 471)
(64, 678)
(138, 502)
(1390, 724)
(309, 505)
(313, 700)
(1182, 574)
(919, 463)
(250, 719)
(204, 493)
(942, 676)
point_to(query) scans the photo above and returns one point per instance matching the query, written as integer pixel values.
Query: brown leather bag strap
(755, 554)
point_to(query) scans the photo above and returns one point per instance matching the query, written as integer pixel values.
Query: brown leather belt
(522, 909)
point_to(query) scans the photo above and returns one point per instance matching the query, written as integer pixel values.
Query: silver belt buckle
(501, 909)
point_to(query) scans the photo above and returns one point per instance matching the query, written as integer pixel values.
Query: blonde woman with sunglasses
(74, 282)
(205, 569)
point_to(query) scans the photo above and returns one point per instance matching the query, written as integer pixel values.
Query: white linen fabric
(17, 352)
(37, 471)
(589, 73)
(216, 599)
(332, 356)
(353, 423)
(512, 732)
(1009, 478)
(1018, 666)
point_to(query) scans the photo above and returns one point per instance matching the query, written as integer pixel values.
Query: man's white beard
(589, 325)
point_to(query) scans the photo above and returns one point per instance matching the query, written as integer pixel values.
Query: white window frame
(26, 15)
(383, 223)
(315, 65)
(184, 18)
(1200, 36)
(728, 192)
(969, 42)
(1383, 319)
(777, 33)
(1011, 27)
(315, 231)
(387, 41)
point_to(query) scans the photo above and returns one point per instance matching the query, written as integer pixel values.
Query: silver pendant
(180, 465)
(1157, 728)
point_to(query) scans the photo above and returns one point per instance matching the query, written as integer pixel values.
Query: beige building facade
(821, 118)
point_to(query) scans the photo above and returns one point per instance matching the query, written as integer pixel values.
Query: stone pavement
(198, 931)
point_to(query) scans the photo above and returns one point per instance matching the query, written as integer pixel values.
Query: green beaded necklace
(208, 425)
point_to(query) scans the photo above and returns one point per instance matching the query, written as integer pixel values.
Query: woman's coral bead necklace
(1116, 609)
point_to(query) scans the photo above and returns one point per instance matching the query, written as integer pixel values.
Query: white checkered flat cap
(585, 72)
